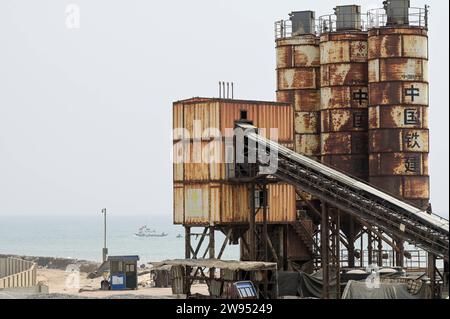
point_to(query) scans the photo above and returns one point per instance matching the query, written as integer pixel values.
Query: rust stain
(307, 144)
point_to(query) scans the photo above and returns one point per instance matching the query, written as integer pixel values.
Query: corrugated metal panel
(282, 201)
(178, 157)
(177, 122)
(202, 197)
(178, 203)
(280, 117)
(235, 203)
(196, 204)
(231, 112)
(196, 169)
(205, 163)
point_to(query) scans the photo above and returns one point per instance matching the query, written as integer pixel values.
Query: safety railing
(414, 259)
(351, 22)
(283, 29)
(416, 17)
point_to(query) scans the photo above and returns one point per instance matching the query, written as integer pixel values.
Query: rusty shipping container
(298, 75)
(398, 112)
(344, 101)
(202, 195)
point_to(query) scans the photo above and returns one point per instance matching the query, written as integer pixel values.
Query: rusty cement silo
(344, 91)
(398, 107)
(298, 71)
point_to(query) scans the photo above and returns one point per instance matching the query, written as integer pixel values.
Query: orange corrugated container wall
(202, 195)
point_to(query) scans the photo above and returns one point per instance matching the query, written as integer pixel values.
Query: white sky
(85, 115)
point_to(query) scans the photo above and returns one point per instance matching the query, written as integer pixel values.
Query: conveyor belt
(390, 214)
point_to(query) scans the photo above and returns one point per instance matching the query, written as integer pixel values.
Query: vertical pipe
(265, 234)
(232, 90)
(220, 89)
(324, 238)
(285, 247)
(212, 245)
(361, 257)
(432, 274)
(351, 244)
(380, 252)
(228, 90)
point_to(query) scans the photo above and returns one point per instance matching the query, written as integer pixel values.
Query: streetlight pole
(105, 250)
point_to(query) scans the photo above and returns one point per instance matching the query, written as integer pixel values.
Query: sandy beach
(55, 279)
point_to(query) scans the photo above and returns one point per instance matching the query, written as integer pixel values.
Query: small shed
(260, 275)
(123, 272)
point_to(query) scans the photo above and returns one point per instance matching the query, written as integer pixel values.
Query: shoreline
(57, 262)
(52, 273)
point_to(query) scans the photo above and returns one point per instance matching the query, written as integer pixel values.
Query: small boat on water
(159, 235)
(145, 231)
(179, 236)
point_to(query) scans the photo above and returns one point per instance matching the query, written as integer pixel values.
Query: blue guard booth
(123, 272)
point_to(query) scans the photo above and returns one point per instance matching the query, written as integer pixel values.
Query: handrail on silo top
(283, 29)
(328, 23)
(417, 17)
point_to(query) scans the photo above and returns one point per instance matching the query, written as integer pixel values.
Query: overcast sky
(85, 114)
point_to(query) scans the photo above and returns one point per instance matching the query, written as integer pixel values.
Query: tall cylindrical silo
(298, 69)
(344, 91)
(398, 106)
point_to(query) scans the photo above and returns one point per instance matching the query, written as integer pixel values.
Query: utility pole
(105, 250)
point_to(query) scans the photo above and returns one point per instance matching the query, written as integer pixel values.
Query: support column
(432, 274)
(338, 255)
(285, 247)
(399, 255)
(265, 234)
(369, 247)
(324, 238)
(212, 248)
(187, 255)
(252, 239)
(380, 252)
(351, 244)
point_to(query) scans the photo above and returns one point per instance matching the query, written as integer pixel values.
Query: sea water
(81, 237)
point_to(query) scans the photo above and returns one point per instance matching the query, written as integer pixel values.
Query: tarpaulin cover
(304, 285)
(218, 263)
(359, 290)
